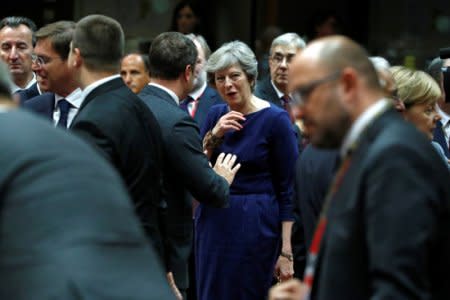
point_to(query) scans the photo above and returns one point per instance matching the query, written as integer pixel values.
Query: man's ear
(188, 73)
(77, 59)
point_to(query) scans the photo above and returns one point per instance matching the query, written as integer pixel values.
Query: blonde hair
(415, 87)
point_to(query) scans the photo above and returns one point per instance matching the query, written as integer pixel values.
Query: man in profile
(69, 230)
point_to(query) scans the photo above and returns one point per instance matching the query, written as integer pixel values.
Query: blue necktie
(64, 107)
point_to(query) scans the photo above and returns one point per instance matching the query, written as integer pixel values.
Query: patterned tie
(439, 137)
(286, 103)
(64, 107)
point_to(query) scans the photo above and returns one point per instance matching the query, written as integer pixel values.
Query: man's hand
(225, 166)
(293, 289)
(173, 286)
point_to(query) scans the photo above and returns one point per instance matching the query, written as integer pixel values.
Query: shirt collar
(75, 98)
(444, 116)
(361, 123)
(16, 88)
(198, 92)
(170, 92)
(87, 90)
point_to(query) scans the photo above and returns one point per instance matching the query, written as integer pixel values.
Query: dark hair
(101, 41)
(169, 55)
(195, 9)
(16, 21)
(60, 34)
(320, 17)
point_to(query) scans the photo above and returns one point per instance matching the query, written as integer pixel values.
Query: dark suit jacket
(42, 105)
(387, 235)
(264, 90)
(209, 98)
(186, 169)
(439, 137)
(68, 227)
(315, 170)
(115, 121)
(28, 93)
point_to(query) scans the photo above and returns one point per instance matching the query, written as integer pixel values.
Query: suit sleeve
(283, 155)
(193, 166)
(400, 222)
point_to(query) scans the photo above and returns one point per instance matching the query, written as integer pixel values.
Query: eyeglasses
(279, 58)
(42, 60)
(301, 94)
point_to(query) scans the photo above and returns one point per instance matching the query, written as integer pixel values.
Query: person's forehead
(133, 60)
(21, 32)
(285, 49)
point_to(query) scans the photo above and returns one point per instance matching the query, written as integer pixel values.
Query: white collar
(361, 123)
(15, 88)
(169, 91)
(444, 116)
(75, 98)
(279, 93)
(87, 90)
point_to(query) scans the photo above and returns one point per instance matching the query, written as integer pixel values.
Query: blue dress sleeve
(283, 156)
(213, 116)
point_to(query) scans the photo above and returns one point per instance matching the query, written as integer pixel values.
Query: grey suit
(186, 169)
(68, 229)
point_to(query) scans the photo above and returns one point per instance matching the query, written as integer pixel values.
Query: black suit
(28, 93)
(264, 90)
(42, 105)
(116, 121)
(315, 169)
(186, 169)
(68, 230)
(387, 235)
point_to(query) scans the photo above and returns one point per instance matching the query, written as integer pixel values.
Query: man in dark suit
(275, 87)
(383, 233)
(50, 64)
(186, 168)
(68, 227)
(202, 97)
(33, 91)
(114, 120)
(16, 47)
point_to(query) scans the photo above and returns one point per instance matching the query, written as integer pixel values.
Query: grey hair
(435, 69)
(201, 40)
(288, 39)
(232, 53)
(5, 81)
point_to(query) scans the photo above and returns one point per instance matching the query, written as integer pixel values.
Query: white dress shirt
(75, 99)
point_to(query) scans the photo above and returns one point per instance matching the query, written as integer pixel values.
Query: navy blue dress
(237, 247)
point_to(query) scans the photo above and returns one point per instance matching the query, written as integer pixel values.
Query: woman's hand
(229, 121)
(284, 269)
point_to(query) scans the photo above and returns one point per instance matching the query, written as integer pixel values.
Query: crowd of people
(180, 174)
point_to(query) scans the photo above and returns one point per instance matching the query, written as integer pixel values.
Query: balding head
(335, 82)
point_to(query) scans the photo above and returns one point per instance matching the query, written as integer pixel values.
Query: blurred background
(403, 31)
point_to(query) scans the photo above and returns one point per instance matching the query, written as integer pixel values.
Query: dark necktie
(286, 103)
(64, 107)
(439, 137)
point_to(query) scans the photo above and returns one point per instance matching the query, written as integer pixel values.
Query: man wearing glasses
(16, 46)
(383, 231)
(50, 64)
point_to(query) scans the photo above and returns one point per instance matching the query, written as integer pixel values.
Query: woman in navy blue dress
(238, 248)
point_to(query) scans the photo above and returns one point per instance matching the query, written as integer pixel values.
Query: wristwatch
(287, 255)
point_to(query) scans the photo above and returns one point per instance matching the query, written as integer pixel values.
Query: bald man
(383, 233)
(134, 71)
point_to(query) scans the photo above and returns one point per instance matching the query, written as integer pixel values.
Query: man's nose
(13, 53)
